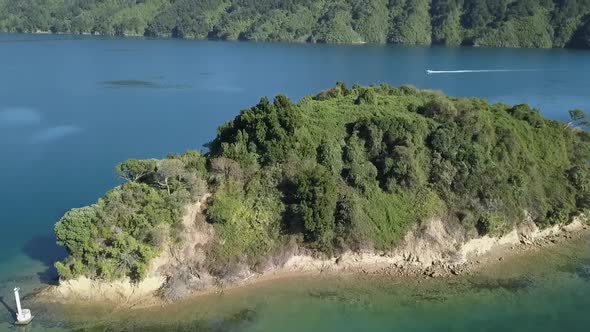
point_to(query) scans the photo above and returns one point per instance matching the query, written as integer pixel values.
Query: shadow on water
(580, 267)
(138, 84)
(237, 321)
(432, 296)
(326, 295)
(349, 300)
(130, 84)
(42, 248)
(120, 50)
(581, 270)
(584, 273)
(7, 307)
(511, 285)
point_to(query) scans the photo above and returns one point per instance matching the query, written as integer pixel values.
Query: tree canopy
(119, 235)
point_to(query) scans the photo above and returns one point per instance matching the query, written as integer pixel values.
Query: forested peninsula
(348, 170)
(486, 23)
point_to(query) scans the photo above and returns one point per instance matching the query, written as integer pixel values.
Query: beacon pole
(23, 316)
(19, 311)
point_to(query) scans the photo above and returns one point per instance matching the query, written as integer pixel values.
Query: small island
(364, 175)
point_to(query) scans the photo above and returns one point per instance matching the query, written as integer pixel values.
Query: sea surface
(72, 107)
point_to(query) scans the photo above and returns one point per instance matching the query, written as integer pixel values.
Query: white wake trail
(428, 71)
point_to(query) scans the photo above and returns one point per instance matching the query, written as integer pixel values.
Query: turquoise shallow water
(547, 291)
(73, 107)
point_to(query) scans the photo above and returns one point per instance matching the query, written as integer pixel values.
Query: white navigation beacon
(23, 316)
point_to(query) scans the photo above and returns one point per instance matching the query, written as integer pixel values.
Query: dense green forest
(499, 23)
(347, 169)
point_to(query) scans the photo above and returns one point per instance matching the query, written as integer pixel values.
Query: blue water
(71, 108)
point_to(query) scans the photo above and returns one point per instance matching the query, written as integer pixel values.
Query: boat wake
(429, 72)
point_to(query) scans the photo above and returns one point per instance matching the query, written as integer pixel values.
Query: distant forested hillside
(498, 23)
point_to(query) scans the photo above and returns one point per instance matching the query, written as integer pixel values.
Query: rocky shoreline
(431, 250)
(474, 255)
(527, 245)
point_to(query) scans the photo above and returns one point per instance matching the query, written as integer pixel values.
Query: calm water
(71, 108)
